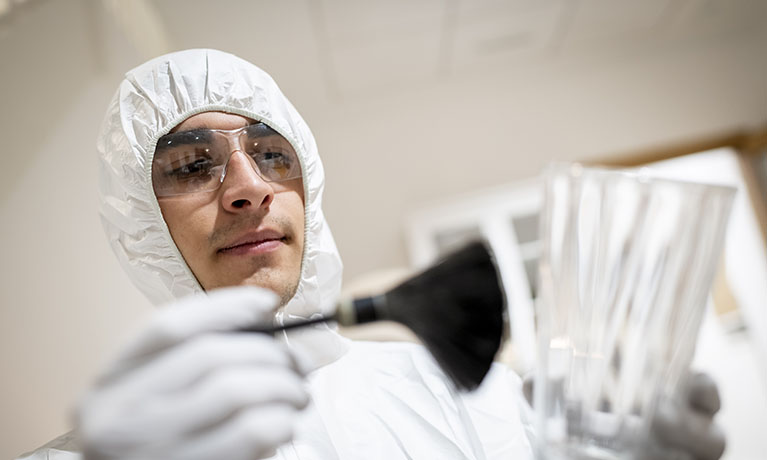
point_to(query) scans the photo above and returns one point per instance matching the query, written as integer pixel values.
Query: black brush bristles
(456, 309)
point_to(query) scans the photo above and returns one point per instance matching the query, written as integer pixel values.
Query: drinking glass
(626, 267)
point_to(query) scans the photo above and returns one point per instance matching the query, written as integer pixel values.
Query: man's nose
(243, 189)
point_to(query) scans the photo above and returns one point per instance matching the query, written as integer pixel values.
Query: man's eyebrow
(261, 130)
(193, 136)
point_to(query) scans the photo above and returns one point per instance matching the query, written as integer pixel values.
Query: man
(211, 199)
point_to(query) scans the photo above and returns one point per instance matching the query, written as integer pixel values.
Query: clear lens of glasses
(195, 161)
(624, 276)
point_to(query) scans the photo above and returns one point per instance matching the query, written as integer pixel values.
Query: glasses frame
(234, 138)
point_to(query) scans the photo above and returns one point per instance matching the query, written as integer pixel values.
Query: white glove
(686, 426)
(681, 429)
(186, 388)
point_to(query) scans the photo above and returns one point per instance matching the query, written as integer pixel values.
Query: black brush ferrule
(366, 309)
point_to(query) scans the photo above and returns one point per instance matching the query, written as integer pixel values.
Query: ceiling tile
(374, 44)
(502, 32)
(473, 9)
(277, 36)
(397, 60)
(709, 17)
(597, 20)
(374, 20)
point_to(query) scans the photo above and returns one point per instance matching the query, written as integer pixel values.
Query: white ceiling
(352, 47)
(336, 49)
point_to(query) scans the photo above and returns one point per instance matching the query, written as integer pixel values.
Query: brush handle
(348, 313)
(294, 325)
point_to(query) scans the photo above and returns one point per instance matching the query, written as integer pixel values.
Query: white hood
(154, 98)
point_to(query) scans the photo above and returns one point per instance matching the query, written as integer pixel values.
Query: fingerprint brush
(454, 307)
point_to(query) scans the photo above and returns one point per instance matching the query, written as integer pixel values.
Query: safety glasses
(196, 161)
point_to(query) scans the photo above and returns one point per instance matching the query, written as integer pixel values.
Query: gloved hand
(682, 428)
(187, 389)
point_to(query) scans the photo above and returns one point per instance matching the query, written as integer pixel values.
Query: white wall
(66, 303)
(65, 300)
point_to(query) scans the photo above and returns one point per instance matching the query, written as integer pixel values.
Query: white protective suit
(383, 401)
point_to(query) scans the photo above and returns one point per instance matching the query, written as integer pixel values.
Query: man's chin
(284, 289)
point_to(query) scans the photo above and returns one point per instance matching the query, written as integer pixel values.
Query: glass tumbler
(626, 267)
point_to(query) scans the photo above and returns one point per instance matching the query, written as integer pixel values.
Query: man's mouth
(260, 242)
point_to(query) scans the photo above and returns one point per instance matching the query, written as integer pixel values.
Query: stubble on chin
(283, 284)
(288, 294)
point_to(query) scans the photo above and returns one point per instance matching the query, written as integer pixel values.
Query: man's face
(248, 231)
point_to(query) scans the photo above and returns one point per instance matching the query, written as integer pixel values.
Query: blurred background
(433, 118)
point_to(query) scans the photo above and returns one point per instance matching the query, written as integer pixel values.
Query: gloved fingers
(181, 366)
(252, 433)
(217, 311)
(120, 422)
(223, 394)
(703, 394)
(682, 428)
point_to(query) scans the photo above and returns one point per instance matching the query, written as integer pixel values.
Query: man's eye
(275, 157)
(197, 168)
(276, 164)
